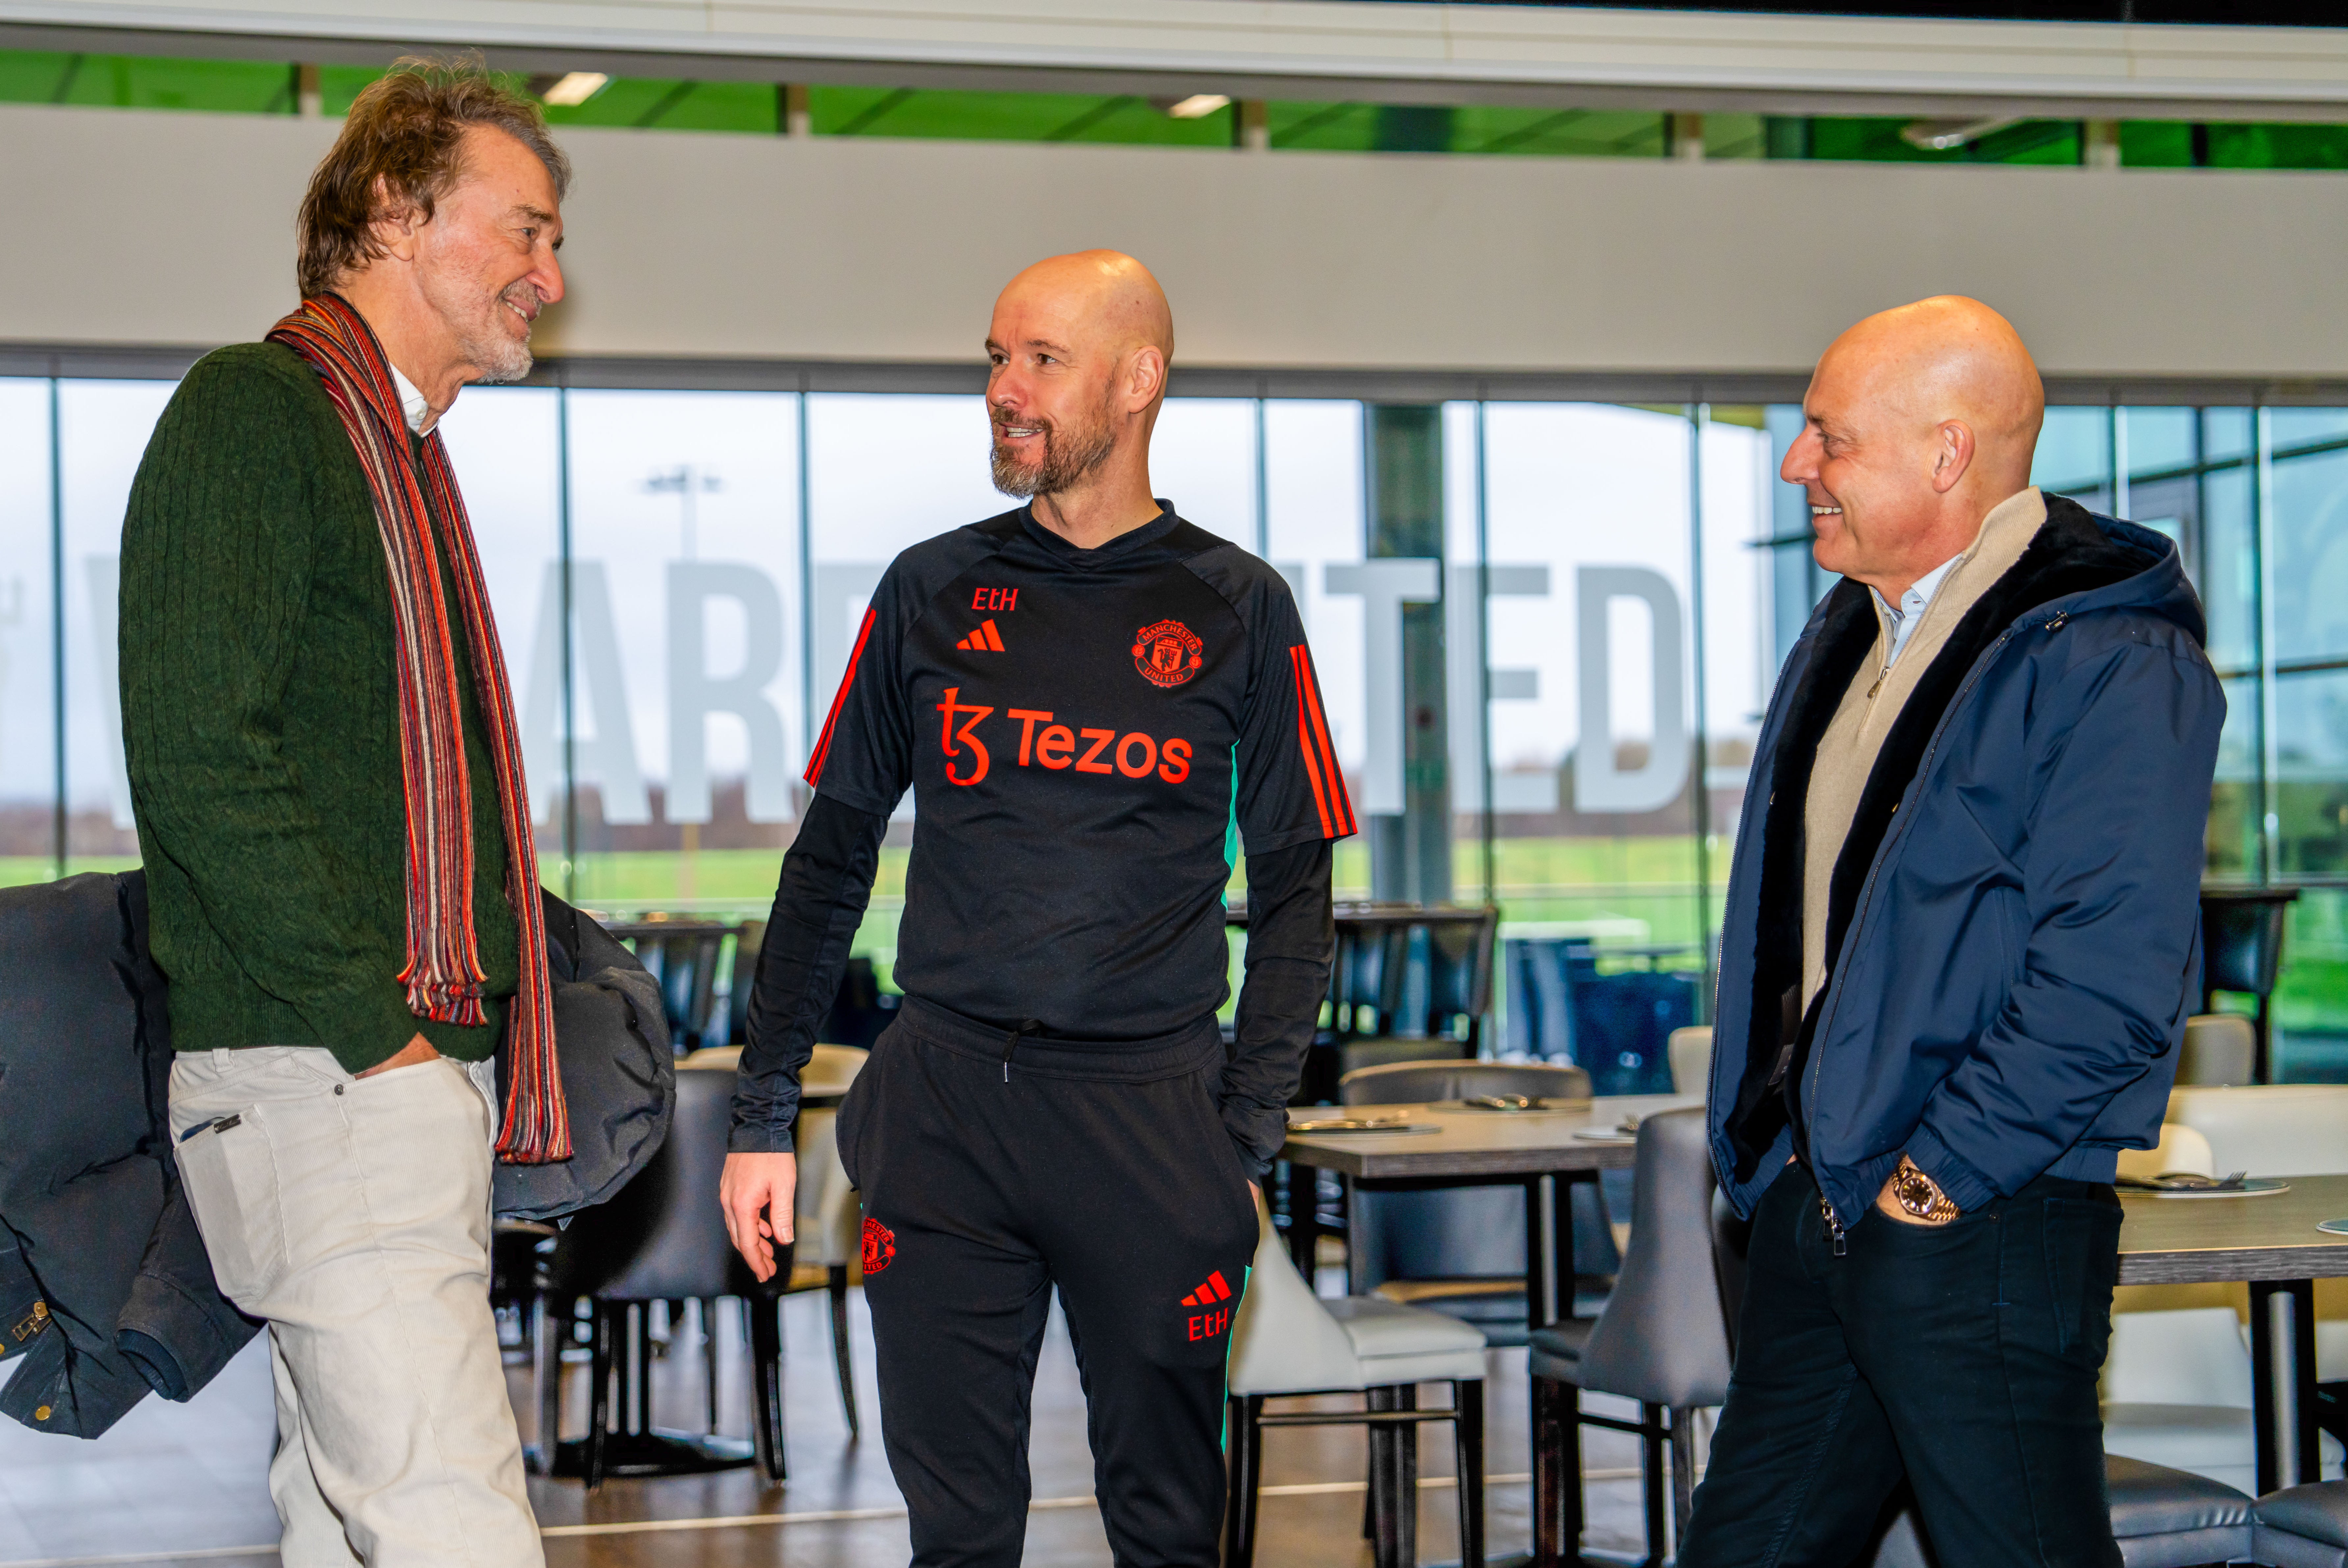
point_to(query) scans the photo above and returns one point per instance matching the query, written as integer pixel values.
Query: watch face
(1916, 1192)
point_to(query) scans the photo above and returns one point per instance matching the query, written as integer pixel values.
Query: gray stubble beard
(1060, 468)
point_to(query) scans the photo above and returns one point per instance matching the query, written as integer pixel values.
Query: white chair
(2219, 1049)
(1691, 1053)
(2269, 1129)
(1287, 1341)
(2181, 1151)
(2177, 1392)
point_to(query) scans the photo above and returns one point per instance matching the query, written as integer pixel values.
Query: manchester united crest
(879, 1245)
(1168, 653)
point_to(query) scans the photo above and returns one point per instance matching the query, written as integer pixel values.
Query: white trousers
(352, 1216)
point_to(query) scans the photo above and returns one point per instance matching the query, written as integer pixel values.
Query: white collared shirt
(1901, 621)
(421, 417)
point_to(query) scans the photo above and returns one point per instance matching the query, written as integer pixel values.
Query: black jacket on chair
(90, 1194)
(104, 1279)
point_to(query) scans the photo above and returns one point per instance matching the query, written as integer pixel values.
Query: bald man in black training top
(1089, 697)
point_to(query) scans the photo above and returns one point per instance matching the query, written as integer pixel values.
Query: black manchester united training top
(1083, 731)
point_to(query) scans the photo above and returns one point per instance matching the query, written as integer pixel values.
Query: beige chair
(2270, 1130)
(1288, 1342)
(1691, 1053)
(2181, 1151)
(829, 1073)
(825, 1212)
(2221, 1048)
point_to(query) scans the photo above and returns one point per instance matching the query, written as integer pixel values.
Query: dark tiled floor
(186, 1484)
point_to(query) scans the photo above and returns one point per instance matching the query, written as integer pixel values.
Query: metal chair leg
(1243, 1417)
(836, 1286)
(1682, 1474)
(1556, 1474)
(599, 1399)
(706, 1307)
(1468, 1440)
(546, 1383)
(765, 1313)
(1405, 1481)
(1372, 1498)
(630, 1347)
(1651, 1477)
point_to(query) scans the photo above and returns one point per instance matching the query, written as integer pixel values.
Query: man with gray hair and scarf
(337, 832)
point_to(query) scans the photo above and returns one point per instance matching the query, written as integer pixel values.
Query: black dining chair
(2300, 1527)
(2242, 951)
(1460, 1250)
(1408, 983)
(696, 964)
(1662, 1340)
(2161, 1518)
(661, 1238)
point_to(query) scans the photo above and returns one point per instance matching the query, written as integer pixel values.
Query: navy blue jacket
(2013, 935)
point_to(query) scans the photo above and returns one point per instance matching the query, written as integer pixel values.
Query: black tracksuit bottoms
(993, 1172)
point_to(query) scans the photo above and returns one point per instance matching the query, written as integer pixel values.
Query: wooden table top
(1472, 1143)
(2188, 1241)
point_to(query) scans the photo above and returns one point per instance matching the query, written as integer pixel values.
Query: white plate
(2256, 1187)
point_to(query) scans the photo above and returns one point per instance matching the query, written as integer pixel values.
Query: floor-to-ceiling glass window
(2301, 468)
(1552, 627)
(687, 698)
(1313, 531)
(1588, 526)
(102, 431)
(29, 761)
(504, 441)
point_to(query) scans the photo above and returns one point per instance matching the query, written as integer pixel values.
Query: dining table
(1461, 1145)
(2268, 1241)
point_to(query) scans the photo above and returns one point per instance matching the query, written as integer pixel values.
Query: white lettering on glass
(605, 755)
(1600, 783)
(695, 693)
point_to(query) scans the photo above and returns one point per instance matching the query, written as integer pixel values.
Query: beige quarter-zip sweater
(1848, 751)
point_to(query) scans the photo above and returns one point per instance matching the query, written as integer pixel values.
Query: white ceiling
(1382, 52)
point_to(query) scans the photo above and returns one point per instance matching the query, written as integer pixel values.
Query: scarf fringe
(443, 980)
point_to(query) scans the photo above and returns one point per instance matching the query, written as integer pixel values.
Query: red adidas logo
(1207, 1325)
(1208, 1294)
(985, 639)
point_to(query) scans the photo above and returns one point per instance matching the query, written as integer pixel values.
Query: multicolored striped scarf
(443, 976)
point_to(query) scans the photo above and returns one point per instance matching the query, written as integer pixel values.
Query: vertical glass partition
(102, 431)
(31, 828)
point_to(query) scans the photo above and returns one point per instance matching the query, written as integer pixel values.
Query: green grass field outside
(1624, 892)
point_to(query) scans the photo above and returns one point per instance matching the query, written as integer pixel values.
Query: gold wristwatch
(1921, 1195)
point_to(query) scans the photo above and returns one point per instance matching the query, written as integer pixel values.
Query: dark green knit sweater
(260, 721)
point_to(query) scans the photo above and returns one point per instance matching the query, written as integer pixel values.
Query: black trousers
(1961, 1358)
(1103, 1171)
